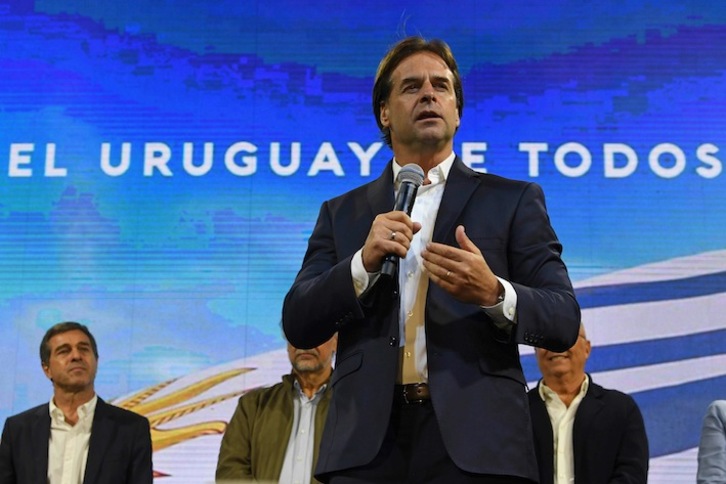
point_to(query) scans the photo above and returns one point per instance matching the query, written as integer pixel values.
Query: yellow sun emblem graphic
(170, 407)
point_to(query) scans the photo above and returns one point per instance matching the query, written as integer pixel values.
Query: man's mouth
(427, 115)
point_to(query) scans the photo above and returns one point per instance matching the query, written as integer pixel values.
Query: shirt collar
(546, 393)
(84, 410)
(437, 174)
(301, 393)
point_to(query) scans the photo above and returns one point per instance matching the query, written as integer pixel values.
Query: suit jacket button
(393, 341)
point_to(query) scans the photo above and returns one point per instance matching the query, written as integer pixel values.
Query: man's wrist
(502, 293)
(499, 298)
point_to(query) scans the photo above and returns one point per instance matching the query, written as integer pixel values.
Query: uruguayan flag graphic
(657, 330)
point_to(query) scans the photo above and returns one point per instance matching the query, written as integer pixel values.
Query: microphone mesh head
(411, 173)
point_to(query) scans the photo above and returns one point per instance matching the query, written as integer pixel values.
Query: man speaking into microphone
(428, 386)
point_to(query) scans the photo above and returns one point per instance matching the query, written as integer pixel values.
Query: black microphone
(409, 179)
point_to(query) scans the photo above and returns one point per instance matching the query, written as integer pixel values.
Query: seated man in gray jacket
(712, 447)
(275, 432)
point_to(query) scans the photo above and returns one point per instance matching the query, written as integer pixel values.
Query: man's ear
(383, 114)
(46, 370)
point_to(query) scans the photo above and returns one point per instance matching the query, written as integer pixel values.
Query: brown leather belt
(412, 393)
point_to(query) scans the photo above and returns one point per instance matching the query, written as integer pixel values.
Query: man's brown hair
(64, 328)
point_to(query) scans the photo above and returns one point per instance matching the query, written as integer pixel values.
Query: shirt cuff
(504, 313)
(362, 279)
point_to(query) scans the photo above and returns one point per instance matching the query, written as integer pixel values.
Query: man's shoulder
(31, 413)
(266, 393)
(361, 191)
(491, 181)
(119, 414)
(717, 407)
(610, 395)
(268, 400)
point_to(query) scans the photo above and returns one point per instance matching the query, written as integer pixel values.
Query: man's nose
(428, 94)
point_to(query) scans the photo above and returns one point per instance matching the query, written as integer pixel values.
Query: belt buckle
(414, 387)
(405, 396)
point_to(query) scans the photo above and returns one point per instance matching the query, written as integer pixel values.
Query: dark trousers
(414, 453)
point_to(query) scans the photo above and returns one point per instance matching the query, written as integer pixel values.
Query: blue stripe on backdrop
(615, 294)
(642, 353)
(673, 415)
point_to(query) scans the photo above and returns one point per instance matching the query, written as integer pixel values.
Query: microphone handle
(404, 202)
(390, 262)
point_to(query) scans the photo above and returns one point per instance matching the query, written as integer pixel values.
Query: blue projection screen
(162, 165)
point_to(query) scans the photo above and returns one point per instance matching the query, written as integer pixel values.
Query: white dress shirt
(297, 466)
(425, 210)
(411, 269)
(68, 445)
(563, 421)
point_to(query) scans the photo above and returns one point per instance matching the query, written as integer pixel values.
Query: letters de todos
(243, 158)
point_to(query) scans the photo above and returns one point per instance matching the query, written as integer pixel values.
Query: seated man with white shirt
(584, 434)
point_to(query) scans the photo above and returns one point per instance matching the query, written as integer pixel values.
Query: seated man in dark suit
(77, 437)
(598, 434)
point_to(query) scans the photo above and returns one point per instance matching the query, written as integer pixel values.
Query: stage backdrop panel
(162, 165)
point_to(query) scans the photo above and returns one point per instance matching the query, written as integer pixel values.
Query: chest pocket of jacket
(494, 251)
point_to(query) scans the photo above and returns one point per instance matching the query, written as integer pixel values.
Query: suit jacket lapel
(41, 439)
(380, 193)
(542, 427)
(102, 433)
(460, 185)
(587, 412)
(380, 198)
